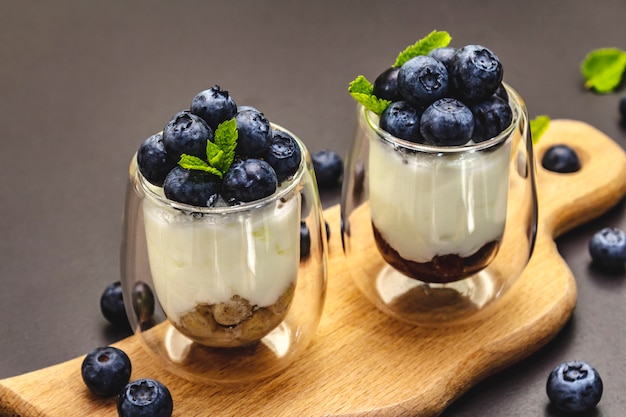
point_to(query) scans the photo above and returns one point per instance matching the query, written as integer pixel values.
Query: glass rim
(148, 189)
(515, 101)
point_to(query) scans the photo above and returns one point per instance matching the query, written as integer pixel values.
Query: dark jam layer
(442, 268)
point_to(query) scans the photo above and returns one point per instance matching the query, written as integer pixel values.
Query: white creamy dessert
(431, 205)
(198, 261)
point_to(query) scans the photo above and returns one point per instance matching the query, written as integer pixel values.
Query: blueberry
(491, 117)
(283, 154)
(197, 188)
(560, 158)
(622, 109)
(145, 398)
(255, 133)
(502, 93)
(112, 305)
(422, 80)
(607, 248)
(105, 371)
(447, 122)
(305, 241)
(328, 167)
(476, 72)
(443, 55)
(153, 160)
(248, 180)
(386, 85)
(214, 106)
(402, 121)
(143, 302)
(574, 387)
(186, 133)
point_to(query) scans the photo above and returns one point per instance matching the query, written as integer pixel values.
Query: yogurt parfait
(223, 202)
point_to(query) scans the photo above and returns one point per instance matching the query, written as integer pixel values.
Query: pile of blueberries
(265, 156)
(448, 97)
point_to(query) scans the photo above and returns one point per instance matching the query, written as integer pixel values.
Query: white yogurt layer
(427, 204)
(205, 260)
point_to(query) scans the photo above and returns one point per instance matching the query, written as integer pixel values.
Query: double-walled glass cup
(225, 294)
(435, 234)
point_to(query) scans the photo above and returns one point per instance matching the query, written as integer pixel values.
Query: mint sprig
(538, 127)
(603, 69)
(363, 92)
(220, 153)
(435, 39)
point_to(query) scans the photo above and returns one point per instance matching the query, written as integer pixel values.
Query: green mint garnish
(538, 127)
(219, 154)
(603, 69)
(363, 92)
(435, 39)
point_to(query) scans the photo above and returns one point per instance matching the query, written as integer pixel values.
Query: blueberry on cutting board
(561, 158)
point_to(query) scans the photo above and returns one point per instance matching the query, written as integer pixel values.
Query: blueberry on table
(447, 122)
(186, 133)
(145, 398)
(491, 117)
(574, 387)
(422, 80)
(386, 85)
(249, 180)
(214, 106)
(607, 248)
(255, 133)
(194, 187)
(283, 154)
(402, 120)
(475, 73)
(106, 370)
(112, 305)
(153, 161)
(328, 167)
(560, 158)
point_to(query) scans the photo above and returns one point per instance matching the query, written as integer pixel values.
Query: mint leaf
(538, 127)
(603, 69)
(435, 39)
(193, 162)
(362, 91)
(220, 153)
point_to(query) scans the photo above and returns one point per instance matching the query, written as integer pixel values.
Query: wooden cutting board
(363, 363)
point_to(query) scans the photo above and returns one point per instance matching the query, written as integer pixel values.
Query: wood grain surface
(363, 363)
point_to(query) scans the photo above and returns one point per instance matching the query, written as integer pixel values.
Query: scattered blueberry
(106, 370)
(153, 160)
(560, 158)
(255, 133)
(112, 305)
(328, 167)
(574, 387)
(443, 55)
(143, 302)
(145, 398)
(305, 241)
(607, 248)
(186, 133)
(422, 79)
(214, 106)
(622, 109)
(248, 180)
(283, 154)
(476, 72)
(491, 116)
(447, 122)
(386, 85)
(197, 188)
(402, 121)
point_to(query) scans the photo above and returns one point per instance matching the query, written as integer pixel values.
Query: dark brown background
(83, 83)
